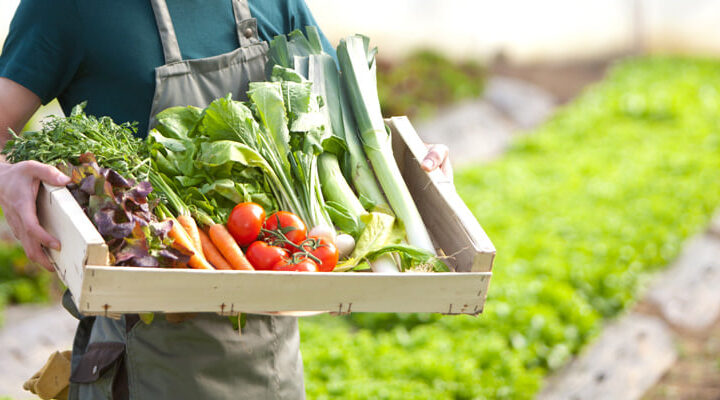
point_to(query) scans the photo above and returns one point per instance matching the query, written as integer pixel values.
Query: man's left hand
(438, 157)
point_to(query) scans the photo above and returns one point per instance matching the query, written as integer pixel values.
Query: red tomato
(323, 249)
(245, 222)
(289, 224)
(304, 265)
(262, 256)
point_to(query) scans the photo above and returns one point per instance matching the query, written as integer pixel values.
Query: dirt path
(696, 373)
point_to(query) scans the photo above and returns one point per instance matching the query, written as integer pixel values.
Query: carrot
(192, 230)
(212, 254)
(224, 242)
(181, 240)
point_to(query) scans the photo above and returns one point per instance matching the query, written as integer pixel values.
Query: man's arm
(19, 182)
(17, 105)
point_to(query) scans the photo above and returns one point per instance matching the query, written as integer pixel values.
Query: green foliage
(19, 282)
(424, 81)
(581, 212)
(65, 139)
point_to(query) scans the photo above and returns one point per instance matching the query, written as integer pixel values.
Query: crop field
(582, 212)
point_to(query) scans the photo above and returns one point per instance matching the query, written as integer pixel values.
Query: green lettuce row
(582, 212)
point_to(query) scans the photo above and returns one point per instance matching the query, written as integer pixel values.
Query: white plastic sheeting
(7, 9)
(527, 30)
(523, 30)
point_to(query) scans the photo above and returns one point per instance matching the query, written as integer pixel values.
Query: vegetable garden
(581, 212)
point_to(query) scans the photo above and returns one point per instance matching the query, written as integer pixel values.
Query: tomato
(245, 222)
(304, 265)
(289, 224)
(324, 250)
(263, 256)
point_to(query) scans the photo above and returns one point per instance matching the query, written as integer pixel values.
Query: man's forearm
(17, 105)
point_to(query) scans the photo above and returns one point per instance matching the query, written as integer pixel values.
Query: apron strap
(170, 45)
(246, 24)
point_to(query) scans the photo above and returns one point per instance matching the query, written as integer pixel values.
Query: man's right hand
(18, 194)
(19, 182)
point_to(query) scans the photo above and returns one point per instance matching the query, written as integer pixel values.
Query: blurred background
(586, 140)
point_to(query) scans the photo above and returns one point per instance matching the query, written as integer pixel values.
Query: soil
(563, 80)
(696, 373)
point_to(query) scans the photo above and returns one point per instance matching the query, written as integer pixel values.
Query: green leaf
(147, 318)
(284, 74)
(412, 258)
(300, 46)
(178, 122)
(343, 218)
(223, 152)
(225, 188)
(279, 53)
(187, 181)
(313, 37)
(168, 144)
(268, 99)
(226, 119)
(377, 233)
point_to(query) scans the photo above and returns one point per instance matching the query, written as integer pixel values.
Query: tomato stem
(281, 239)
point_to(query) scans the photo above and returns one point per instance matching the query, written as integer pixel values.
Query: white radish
(345, 244)
(323, 231)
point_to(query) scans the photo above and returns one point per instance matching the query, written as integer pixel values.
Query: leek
(357, 64)
(305, 55)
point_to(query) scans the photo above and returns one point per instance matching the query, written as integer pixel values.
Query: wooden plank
(451, 224)
(628, 358)
(688, 295)
(81, 244)
(131, 290)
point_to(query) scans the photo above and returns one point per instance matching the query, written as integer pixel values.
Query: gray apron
(203, 357)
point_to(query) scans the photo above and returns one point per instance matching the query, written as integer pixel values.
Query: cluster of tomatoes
(280, 242)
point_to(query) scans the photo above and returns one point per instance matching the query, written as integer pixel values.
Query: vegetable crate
(100, 289)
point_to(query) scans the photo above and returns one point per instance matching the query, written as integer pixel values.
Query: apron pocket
(98, 359)
(101, 373)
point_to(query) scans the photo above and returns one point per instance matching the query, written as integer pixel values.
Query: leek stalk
(357, 66)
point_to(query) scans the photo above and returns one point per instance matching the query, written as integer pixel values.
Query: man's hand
(19, 182)
(438, 157)
(18, 193)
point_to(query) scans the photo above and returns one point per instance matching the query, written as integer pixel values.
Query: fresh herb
(64, 139)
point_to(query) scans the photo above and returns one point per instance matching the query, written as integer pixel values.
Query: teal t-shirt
(106, 51)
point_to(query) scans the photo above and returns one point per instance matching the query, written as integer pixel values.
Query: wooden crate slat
(129, 290)
(452, 225)
(81, 244)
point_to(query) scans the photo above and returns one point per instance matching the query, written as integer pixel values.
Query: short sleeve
(302, 17)
(42, 51)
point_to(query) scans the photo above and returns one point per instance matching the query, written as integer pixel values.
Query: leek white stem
(362, 90)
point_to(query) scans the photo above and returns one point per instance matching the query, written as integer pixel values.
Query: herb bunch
(64, 139)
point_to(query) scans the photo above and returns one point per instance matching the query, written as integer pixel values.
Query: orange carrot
(192, 230)
(212, 254)
(224, 242)
(181, 241)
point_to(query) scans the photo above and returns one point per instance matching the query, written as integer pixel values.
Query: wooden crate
(100, 289)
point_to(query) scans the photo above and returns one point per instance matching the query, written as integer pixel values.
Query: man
(130, 59)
